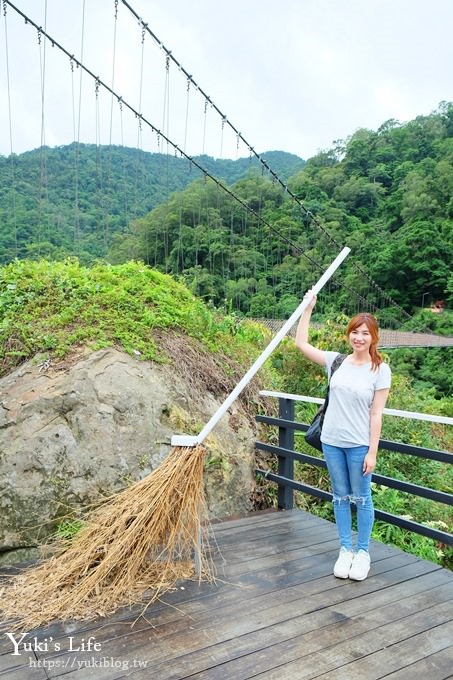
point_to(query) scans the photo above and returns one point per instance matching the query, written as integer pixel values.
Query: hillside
(387, 194)
(72, 200)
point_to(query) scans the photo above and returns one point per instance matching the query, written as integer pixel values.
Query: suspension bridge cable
(226, 121)
(77, 146)
(169, 142)
(11, 146)
(263, 162)
(43, 169)
(115, 23)
(182, 153)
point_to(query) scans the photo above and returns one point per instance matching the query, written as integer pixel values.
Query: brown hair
(372, 325)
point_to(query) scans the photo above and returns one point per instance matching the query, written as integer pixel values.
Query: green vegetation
(68, 529)
(51, 308)
(387, 194)
(73, 200)
(186, 257)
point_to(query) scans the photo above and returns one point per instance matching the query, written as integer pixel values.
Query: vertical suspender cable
(77, 142)
(165, 128)
(43, 171)
(115, 23)
(11, 146)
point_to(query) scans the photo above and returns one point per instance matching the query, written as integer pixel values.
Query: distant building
(438, 307)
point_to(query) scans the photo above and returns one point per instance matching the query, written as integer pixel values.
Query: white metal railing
(445, 420)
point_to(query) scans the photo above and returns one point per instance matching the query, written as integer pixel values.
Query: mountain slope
(73, 199)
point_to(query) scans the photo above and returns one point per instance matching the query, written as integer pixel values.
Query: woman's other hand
(369, 463)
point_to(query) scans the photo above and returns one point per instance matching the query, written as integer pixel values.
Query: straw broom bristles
(142, 538)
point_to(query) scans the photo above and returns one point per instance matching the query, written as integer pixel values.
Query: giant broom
(140, 541)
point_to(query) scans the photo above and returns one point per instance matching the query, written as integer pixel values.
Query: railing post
(286, 464)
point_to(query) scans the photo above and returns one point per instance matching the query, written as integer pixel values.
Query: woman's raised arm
(312, 353)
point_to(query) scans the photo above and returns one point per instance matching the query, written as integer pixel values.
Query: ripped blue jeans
(350, 485)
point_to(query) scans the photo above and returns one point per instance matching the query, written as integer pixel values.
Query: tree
(414, 260)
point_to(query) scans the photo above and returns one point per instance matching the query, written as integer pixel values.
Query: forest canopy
(388, 194)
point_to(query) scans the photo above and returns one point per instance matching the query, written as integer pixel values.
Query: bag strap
(336, 363)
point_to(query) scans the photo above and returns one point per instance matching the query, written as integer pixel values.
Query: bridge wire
(182, 194)
(175, 146)
(141, 172)
(115, 24)
(205, 115)
(74, 128)
(226, 121)
(108, 155)
(264, 163)
(177, 150)
(77, 237)
(166, 126)
(43, 195)
(12, 158)
(187, 115)
(101, 187)
(131, 254)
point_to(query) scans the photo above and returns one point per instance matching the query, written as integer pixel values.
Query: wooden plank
(286, 525)
(224, 604)
(23, 667)
(217, 627)
(213, 591)
(400, 656)
(413, 632)
(191, 588)
(196, 597)
(269, 543)
(280, 570)
(262, 649)
(278, 586)
(437, 666)
(261, 519)
(277, 542)
(277, 517)
(25, 673)
(191, 591)
(272, 533)
(257, 520)
(309, 656)
(9, 661)
(326, 550)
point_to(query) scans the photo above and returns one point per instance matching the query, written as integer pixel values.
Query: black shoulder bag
(313, 434)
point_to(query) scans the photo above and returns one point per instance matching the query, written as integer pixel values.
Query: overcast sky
(293, 75)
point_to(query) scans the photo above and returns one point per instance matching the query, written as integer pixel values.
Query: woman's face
(360, 338)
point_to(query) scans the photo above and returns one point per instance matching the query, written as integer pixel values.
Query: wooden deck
(276, 612)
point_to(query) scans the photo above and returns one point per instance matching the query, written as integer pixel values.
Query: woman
(350, 435)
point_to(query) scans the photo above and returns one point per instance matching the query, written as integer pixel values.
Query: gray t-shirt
(352, 388)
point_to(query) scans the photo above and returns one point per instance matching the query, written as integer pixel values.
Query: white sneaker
(343, 564)
(360, 566)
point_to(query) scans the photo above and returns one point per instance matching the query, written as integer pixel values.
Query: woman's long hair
(372, 325)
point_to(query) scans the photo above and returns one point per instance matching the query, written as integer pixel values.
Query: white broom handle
(192, 441)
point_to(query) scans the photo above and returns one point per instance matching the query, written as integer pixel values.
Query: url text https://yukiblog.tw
(93, 662)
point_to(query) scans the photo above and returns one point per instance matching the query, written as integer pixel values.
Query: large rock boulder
(76, 430)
